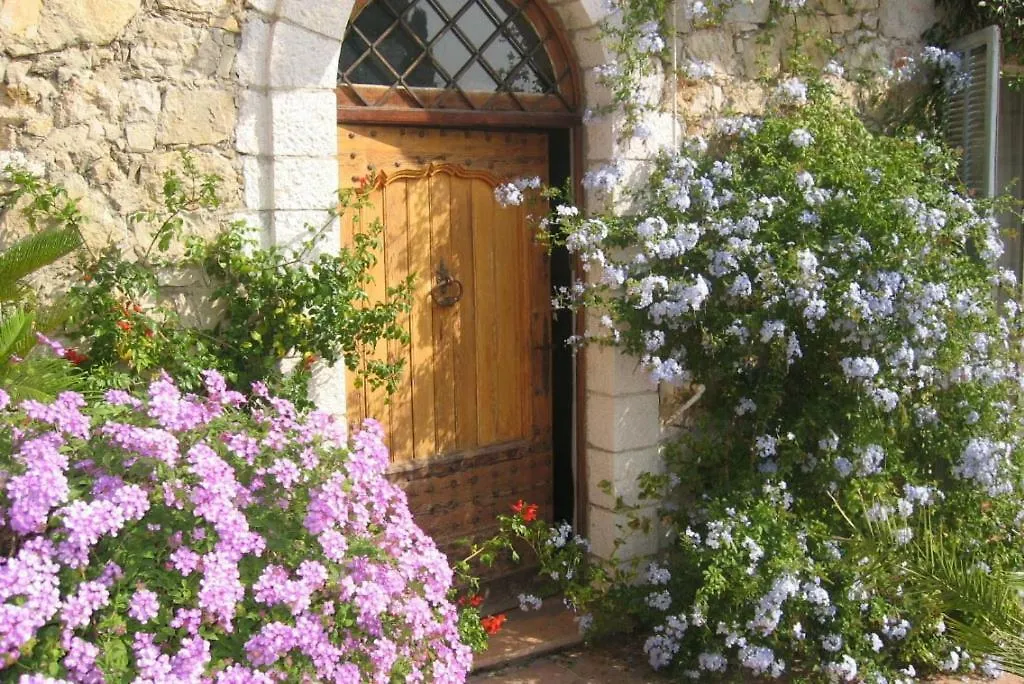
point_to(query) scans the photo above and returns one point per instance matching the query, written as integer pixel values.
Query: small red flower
(124, 325)
(475, 600)
(74, 356)
(148, 332)
(492, 623)
(528, 512)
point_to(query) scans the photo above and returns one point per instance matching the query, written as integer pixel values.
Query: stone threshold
(528, 635)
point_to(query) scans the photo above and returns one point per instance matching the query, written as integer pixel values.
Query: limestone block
(575, 16)
(305, 182)
(328, 17)
(605, 526)
(746, 98)
(620, 471)
(263, 6)
(590, 49)
(252, 134)
(257, 183)
(611, 372)
(595, 93)
(622, 423)
(257, 223)
(38, 126)
(164, 48)
(305, 122)
(749, 11)
(34, 26)
(844, 23)
(196, 117)
(599, 138)
(813, 25)
(291, 228)
(251, 62)
(300, 58)
(327, 389)
(700, 99)
(141, 100)
(208, 161)
(196, 6)
(712, 45)
(906, 19)
(140, 136)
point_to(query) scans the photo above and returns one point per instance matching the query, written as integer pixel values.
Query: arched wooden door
(470, 428)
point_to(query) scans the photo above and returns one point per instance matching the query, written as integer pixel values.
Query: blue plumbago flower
(650, 40)
(800, 138)
(698, 70)
(529, 602)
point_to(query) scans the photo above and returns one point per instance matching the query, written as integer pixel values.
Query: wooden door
(469, 429)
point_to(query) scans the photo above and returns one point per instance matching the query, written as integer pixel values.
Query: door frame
(499, 121)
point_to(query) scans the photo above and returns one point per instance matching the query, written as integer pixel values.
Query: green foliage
(54, 221)
(273, 304)
(279, 302)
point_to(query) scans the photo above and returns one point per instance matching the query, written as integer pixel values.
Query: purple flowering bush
(177, 538)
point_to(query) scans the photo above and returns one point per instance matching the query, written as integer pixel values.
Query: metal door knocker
(448, 291)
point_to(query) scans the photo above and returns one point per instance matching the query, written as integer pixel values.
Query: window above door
(475, 55)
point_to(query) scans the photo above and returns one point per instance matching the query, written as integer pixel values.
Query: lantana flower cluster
(177, 538)
(842, 305)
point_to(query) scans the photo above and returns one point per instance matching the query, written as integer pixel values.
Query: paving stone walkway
(544, 647)
(577, 665)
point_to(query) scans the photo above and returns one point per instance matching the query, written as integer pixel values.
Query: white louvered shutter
(971, 113)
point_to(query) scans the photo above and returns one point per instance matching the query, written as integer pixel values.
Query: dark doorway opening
(563, 394)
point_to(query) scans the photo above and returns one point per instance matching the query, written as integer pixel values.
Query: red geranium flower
(74, 356)
(475, 600)
(528, 512)
(124, 325)
(492, 623)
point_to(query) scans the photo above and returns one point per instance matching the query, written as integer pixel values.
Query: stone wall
(102, 95)
(865, 37)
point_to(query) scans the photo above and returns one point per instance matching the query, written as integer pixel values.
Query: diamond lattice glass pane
(399, 49)
(450, 7)
(476, 78)
(372, 71)
(502, 56)
(351, 49)
(426, 75)
(424, 20)
(476, 26)
(374, 20)
(450, 53)
(527, 80)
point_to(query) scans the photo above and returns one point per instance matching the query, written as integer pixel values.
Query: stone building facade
(102, 94)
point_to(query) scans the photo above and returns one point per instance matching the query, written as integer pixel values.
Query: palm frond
(15, 333)
(32, 253)
(41, 379)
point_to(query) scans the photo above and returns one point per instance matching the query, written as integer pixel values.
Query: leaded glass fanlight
(490, 55)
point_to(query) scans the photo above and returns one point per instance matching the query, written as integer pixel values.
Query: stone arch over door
(288, 148)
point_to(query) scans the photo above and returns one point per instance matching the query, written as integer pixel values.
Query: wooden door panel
(469, 427)
(464, 328)
(443, 317)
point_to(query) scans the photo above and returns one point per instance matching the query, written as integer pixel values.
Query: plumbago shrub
(840, 302)
(177, 538)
